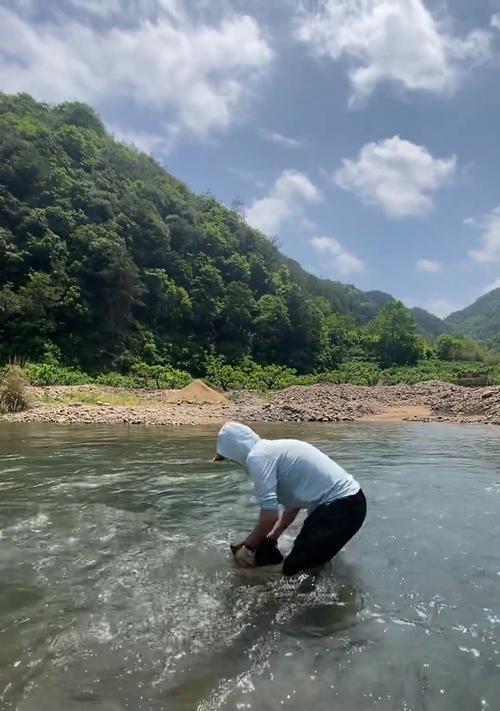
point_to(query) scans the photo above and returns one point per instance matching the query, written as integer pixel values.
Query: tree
(272, 329)
(397, 341)
(235, 321)
(460, 348)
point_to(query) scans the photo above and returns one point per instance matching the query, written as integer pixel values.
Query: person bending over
(290, 475)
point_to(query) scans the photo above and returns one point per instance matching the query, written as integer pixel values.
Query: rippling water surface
(117, 590)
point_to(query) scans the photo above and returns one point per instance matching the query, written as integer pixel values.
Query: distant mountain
(481, 319)
(381, 298)
(107, 260)
(363, 305)
(347, 299)
(430, 325)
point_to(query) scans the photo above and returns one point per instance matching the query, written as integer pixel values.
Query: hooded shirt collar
(235, 441)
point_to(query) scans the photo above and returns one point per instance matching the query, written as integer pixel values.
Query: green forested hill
(430, 325)
(481, 319)
(106, 258)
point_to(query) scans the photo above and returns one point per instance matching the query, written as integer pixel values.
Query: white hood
(235, 441)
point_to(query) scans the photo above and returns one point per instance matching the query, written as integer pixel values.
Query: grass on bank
(92, 396)
(13, 396)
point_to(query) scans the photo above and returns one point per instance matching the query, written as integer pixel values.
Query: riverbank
(424, 402)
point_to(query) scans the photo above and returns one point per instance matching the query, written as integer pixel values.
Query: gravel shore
(429, 401)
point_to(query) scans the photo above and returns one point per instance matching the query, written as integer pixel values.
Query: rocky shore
(428, 402)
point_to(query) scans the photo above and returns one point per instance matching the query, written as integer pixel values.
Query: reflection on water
(117, 590)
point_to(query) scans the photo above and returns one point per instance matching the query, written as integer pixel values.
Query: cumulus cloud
(275, 137)
(489, 250)
(396, 41)
(495, 21)
(196, 75)
(340, 259)
(396, 175)
(291, 191)
(494, 285)
(145, 141)
(428, 265)
(307, 224)
(98, 7)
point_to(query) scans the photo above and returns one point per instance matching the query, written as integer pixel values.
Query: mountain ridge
(105, 258)
(481, 319)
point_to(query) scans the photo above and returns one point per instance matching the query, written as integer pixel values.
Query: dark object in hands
(266, 553)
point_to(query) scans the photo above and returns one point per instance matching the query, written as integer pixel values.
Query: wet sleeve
(262, 471)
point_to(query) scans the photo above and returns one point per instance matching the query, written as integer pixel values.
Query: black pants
(325, 531)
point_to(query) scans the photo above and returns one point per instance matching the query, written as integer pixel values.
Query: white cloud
(197, 76)
(428, 265)
(150, 143)
(396, 41)
(494, 285)
(307, 224)
(341, 260)
(489, 251)
(495, 21)
(396, 175)
(275, 137)
(101, 8)
(289, 193)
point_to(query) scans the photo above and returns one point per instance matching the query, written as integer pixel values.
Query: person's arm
(244, 553)
(262, 471)
(267, 521)
(286, 519)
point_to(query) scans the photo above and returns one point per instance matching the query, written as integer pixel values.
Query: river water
(117, 590)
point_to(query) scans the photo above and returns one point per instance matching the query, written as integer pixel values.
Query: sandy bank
(429, 401)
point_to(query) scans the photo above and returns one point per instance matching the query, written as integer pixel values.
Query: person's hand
(235, 547)
(245, 557)
(274, 536)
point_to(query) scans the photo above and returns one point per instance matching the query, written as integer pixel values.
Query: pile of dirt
(197, 393)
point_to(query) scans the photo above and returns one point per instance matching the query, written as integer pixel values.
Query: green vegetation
(429, 325)
(95, 395)
(112, 272)
(481, 319)
(435, 369)
(54, 374)
(141, 375)
(463, 348)
(252, 376)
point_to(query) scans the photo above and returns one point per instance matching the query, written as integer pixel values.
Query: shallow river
(117, 590)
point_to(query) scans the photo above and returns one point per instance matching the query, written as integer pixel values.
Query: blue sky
(363, 134)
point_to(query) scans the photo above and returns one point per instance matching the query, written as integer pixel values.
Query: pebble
(322, 402)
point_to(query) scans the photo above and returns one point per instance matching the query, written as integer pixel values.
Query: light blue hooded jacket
(286, 472)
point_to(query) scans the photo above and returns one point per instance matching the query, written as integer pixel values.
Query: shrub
(272, 377)
(115, 380)
(248, 375)
(222, 376)
(159, 376)
(13, 396)
(54, 374)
